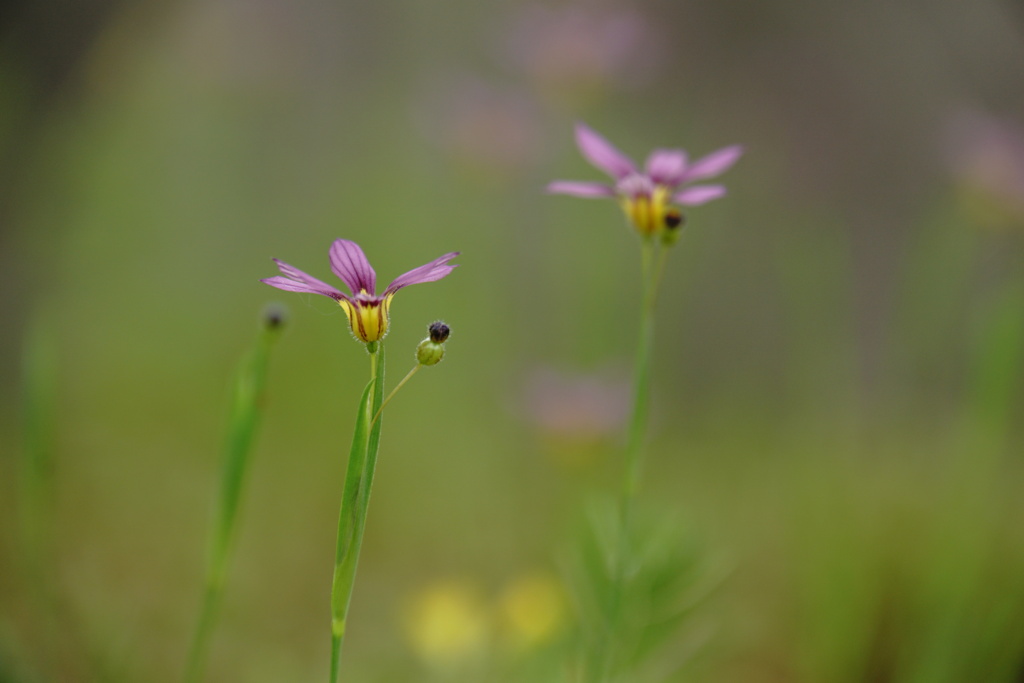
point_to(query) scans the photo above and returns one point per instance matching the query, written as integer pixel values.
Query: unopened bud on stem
(274, 316)
(674, 222)
(431, 350)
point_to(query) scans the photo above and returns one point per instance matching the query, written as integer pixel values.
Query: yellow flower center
(652, 213)
(367, 316)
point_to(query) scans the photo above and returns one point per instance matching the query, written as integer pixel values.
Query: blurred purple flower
(646, 195)
(986, 154)
(578, 407)
(575, 49)
(486, 127)
(368, 314)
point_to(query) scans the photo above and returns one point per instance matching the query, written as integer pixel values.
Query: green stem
(355, 501)
(642, 375)
(201, 638)
(395, 391)
(603, 654)
(245, 413)
(651, 296)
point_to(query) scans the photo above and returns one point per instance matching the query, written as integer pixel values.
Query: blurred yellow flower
(531, 610)
(447, 623)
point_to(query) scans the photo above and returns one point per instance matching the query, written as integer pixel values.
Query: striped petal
(350, 264)
(435, 270)
(294, 280)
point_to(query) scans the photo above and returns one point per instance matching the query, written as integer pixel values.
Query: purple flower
(577, 407)
(580, 49)
(646, 196)
(368, 313)
(986, 156)
(485, 128)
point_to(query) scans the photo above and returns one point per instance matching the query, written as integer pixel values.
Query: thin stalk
(395, 390)
(603, 654)
(245, 415)
(355, 501)
(651, 298)
(642, 376)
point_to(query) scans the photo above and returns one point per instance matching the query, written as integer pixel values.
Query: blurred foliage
(665, 580)
(839, 384)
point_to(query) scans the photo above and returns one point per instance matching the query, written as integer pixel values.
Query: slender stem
(642, 376)
(603, 654)
(395, 391)
(354, 503)
(655, 286)
(201, 638)
(245, 414)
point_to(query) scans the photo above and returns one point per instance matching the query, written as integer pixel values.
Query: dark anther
(673, 219)
(439, 332)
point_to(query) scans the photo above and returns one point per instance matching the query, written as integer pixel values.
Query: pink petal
(713, 164)
(580, 189)
(602, 154)
(666, 166)
(295, 280)
(349, 263)
(435, 270)
(636, 185)
(699, 194)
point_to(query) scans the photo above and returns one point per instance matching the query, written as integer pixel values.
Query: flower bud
(274, 316)
(674, 222)
(431, 350)
(429, 353)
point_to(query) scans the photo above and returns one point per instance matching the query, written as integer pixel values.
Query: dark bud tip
(439, 332)
(275, 316)
(673, 219)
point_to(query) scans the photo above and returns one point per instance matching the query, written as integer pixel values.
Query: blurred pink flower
(646, 195)
(578, 407)
(482, 125)
(577, 46)
(986, 154)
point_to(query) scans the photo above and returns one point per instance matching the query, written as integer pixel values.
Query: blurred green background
(838, 388)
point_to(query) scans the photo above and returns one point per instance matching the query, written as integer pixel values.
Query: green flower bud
(431, 350)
